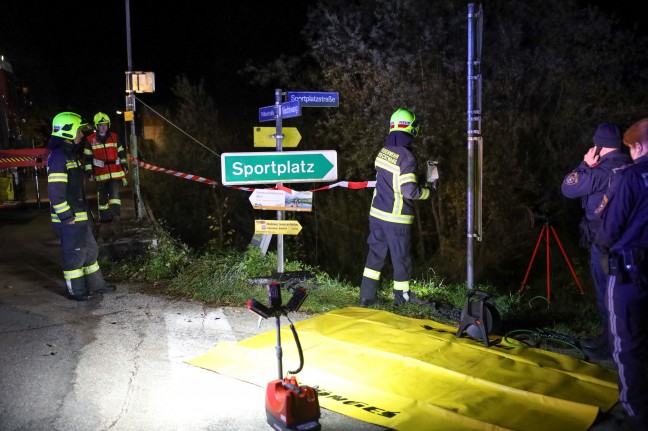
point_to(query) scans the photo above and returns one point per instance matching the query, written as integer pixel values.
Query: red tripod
(544, 233)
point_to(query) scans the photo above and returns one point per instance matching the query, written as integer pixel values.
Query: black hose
(299, 350)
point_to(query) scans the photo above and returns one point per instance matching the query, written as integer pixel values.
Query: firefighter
(69, 210)
(392, 210)
(623, 238)
(106, 164)
(588, 182)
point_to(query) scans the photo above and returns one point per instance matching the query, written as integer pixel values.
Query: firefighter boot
(406, 296)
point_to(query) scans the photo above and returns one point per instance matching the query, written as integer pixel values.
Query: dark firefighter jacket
(65, 179)
(396, 183)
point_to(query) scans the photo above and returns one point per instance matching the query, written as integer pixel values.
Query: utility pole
(130, 108)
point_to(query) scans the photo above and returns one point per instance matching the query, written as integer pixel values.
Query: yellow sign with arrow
(266, 137)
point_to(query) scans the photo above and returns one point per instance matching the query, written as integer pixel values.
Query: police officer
(623, 236)
(392, 210)
(105, 162)
(588, 182)
(69, 211)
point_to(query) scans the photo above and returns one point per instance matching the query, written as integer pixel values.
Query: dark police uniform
(624, 236)
(392, 214)
(589, 184)
(65, 177)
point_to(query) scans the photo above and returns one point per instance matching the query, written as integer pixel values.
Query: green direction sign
(278, 167)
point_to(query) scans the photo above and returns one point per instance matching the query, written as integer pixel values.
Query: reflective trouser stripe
(401, 285)
(372, 274)
(72, 274)
(91, 268)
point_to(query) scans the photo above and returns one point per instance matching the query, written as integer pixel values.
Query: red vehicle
(15, 100)
(17, 152)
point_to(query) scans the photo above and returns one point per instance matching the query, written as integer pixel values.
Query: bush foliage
(551, 69)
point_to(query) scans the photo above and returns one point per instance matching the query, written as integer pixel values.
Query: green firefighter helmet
(101, 118)
(404, 121)
(66, 124)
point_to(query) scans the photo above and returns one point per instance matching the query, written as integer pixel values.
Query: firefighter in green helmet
(106, 164)
(392, 210)
(69, 210)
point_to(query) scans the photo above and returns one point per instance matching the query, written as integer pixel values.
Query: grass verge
(231, 278)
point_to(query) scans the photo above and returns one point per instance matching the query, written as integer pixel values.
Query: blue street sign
(267, 113)
(290, 109)
(315, 98)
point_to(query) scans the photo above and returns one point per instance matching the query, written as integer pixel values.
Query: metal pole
(469, 192)
(278, 349)
(474, 135)
(130, 106)
(280, 214)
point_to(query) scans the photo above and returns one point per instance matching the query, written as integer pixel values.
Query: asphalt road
(117, 362)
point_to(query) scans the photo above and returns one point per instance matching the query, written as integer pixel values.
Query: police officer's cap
(608, 135)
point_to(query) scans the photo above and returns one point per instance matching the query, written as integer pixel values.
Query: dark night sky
(73, 54)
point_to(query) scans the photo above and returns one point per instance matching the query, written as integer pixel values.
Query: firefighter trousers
(108, 200)
(383, 240)
(80, 267)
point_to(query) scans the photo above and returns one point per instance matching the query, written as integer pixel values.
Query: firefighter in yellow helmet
(392, 210)
(106, 164)
(69, 210)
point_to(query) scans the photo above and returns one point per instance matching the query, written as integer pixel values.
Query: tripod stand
(544, 233)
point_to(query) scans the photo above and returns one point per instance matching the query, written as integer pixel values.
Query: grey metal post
(280, 214)
(130, 106)
(474, 135)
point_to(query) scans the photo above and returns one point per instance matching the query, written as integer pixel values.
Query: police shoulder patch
(571, 179)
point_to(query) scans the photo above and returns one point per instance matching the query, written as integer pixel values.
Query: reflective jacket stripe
(61, 208)
(57, 178)
(392, 218)
(80, 216)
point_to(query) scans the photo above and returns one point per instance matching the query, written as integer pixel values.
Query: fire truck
(18, 158)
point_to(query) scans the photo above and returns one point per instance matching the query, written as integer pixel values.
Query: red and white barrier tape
(354, 185)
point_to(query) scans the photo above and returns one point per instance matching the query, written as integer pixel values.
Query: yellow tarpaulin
(412, 374)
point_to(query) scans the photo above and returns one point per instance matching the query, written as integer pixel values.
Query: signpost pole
(130, 106)
(297, 166)
(280, 214)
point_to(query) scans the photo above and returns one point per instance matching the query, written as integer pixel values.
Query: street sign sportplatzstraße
(278, 167)
(314, 99)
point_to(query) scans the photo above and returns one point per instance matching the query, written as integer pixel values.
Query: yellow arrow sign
(279, 227)
(266, 137)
